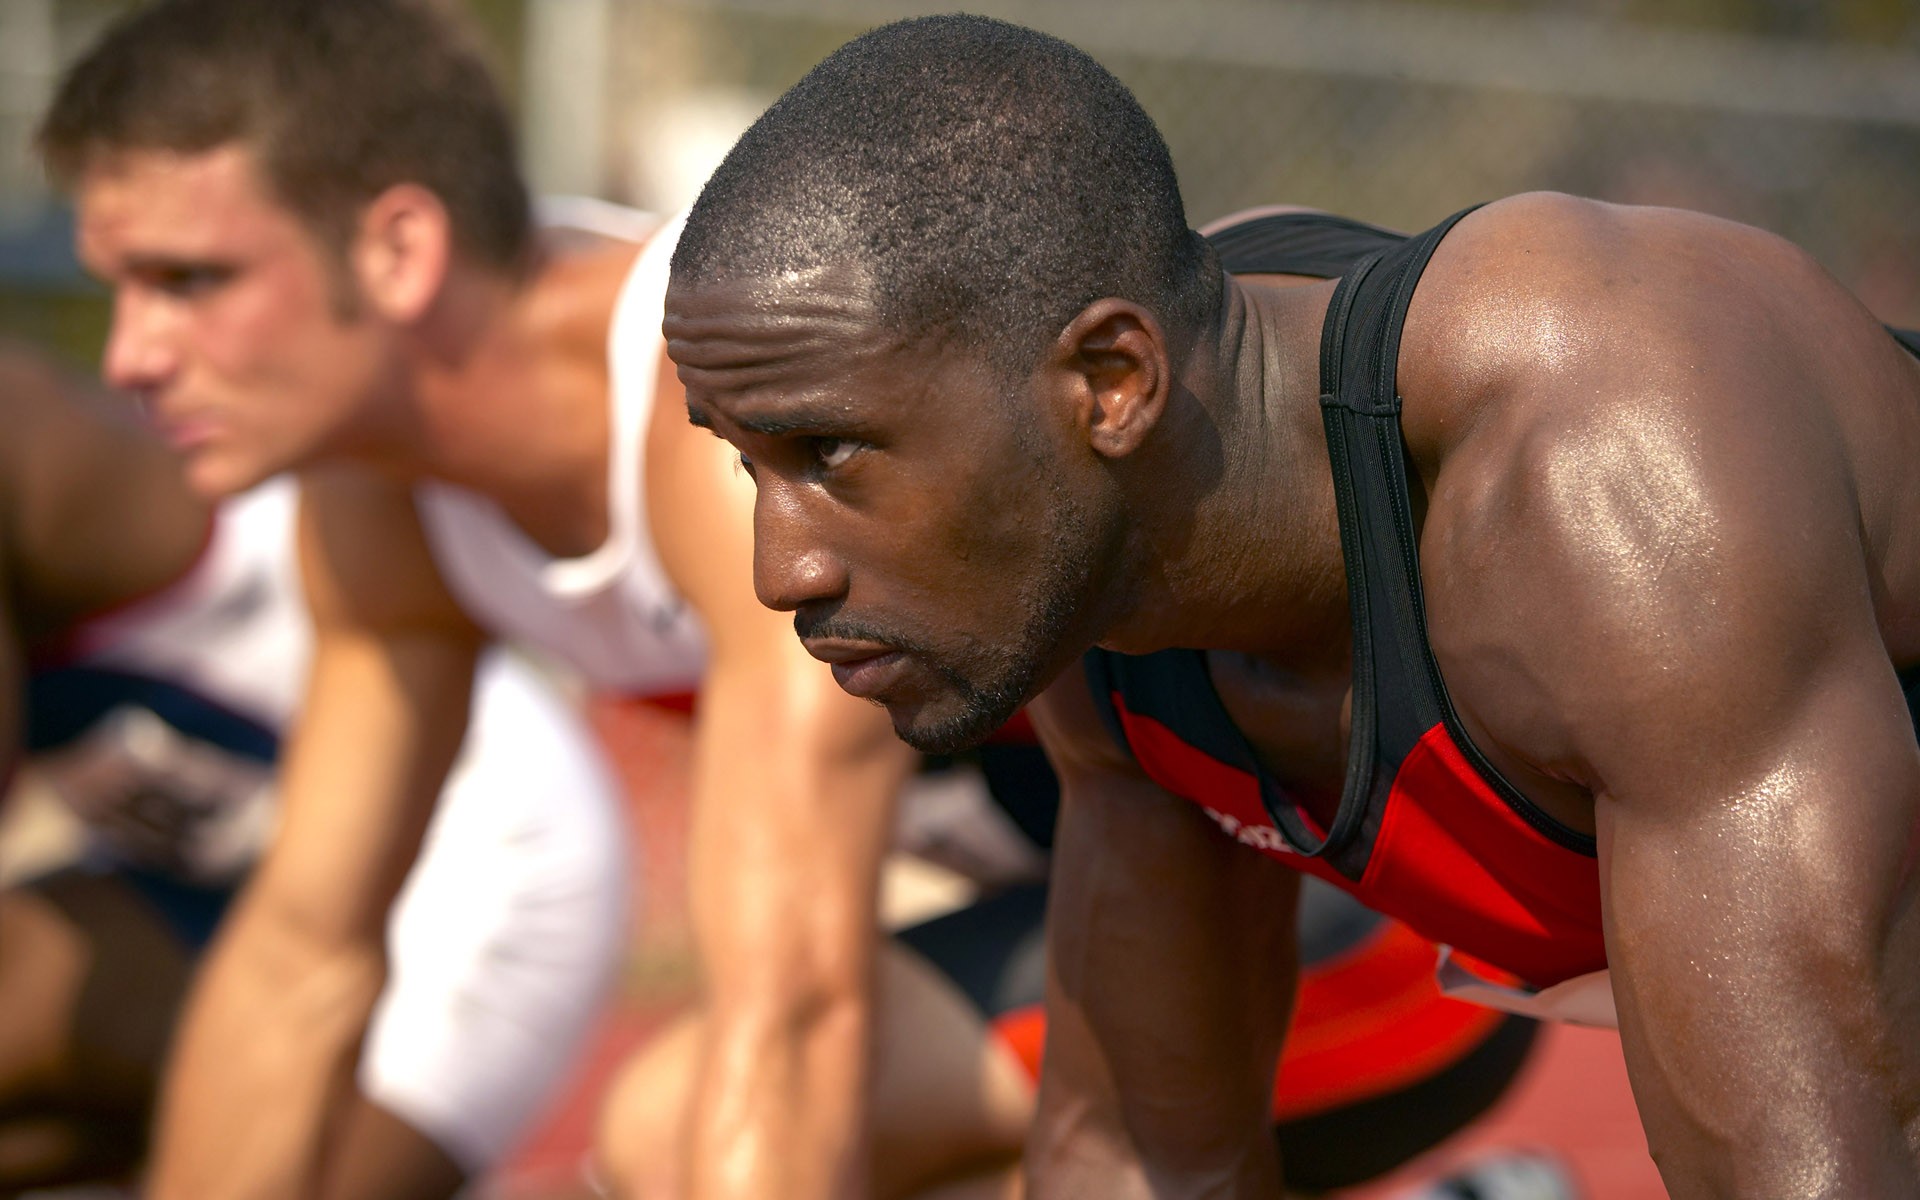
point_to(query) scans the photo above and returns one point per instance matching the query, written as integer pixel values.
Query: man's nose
(138, 357)
(791, 563)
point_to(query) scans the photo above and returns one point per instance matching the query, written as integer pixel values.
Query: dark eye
(187, 282)
(833, 452)
(746, 464)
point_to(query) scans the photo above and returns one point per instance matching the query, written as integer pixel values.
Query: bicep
(794, 791)
(1761, 939)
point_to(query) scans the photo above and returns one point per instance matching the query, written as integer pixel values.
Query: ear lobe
(1116, 358)
(402, 251)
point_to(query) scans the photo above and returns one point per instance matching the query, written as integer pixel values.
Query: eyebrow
(817, 419)
(159, 264)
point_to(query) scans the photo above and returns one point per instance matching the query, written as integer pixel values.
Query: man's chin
(216, 476)
(932, 733)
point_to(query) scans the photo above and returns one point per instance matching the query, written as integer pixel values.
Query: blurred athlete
(161, 648)
(321, 253)
(1546, 583)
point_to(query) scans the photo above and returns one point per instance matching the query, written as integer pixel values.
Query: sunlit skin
(259, 347)
(843, 483)
(227, 320)
(1662, 473)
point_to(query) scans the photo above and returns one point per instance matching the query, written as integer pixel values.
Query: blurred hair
(993, 180)
(338, 99)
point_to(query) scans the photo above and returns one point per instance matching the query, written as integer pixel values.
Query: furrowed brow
(824, 420)
(788, 424)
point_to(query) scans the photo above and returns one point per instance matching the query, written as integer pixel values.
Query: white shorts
(509, 928)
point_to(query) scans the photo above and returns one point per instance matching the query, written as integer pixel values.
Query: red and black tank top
(1426, 829)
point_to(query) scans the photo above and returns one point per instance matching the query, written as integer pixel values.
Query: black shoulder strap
(1318, 244)
(1099, 671)
(1907, 337)
(1398, 694)
(1394, 695)
(1293, 243)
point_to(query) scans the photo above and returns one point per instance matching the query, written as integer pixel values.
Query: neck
(510, 388)
(1246, 556)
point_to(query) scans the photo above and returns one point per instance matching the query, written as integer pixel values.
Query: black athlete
(1003, 407)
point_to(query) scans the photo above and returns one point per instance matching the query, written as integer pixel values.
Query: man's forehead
(192, 201)
(738, 333)
(835, 293)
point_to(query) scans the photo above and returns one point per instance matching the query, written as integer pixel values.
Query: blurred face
(227, 318)
(922, 525)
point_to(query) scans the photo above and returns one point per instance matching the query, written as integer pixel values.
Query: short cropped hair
(992, 179)
(339, 99)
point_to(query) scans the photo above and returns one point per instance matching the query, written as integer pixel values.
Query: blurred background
(1801, 116)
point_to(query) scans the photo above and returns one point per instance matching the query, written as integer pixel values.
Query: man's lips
(863, 669)
(184, 431)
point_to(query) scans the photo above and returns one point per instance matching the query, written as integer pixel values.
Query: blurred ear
(402, 251)
(1113, 360)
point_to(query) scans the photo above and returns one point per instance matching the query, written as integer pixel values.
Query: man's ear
(1114, 359)
(402, 251)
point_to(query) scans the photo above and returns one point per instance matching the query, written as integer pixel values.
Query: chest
(1299, 729)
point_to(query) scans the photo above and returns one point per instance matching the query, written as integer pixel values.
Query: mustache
(831, 623)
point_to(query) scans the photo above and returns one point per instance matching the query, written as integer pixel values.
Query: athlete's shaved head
(991, 181)
(339, 100)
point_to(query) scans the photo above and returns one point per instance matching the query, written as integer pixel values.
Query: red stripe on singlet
(1451, 858)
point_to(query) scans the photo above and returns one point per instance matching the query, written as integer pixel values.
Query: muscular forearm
(781, 1108)
(265, 1049)
(1073, 1150)
(787, 845)
(1826, 1114)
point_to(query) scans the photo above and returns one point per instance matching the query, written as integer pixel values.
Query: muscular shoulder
(700, 515)
(1636, 475)
(1544, 288)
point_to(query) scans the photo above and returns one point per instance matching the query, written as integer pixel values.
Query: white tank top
(611, 614)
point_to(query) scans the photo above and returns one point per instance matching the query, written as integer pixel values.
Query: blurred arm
(97, 513)
(94, 513)
(272, 1029)
(1171, 964)
(794, 787)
